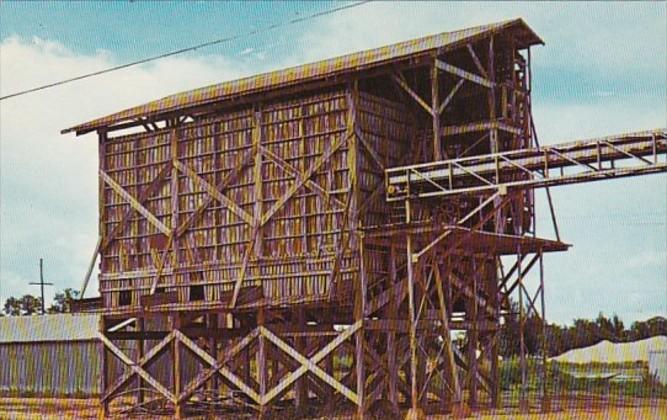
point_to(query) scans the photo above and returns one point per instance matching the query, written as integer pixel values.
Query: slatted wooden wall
(292, 236)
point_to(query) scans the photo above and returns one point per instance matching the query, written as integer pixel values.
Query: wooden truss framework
(440, 268)
(397, 323)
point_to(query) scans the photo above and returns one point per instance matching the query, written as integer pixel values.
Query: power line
(188, 49)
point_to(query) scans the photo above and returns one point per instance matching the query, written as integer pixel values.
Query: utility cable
(188, 49)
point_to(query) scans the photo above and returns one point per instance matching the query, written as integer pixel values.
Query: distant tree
(30, 305)
(26, 305)
(618, 327)
(62, 301)
(12, 306)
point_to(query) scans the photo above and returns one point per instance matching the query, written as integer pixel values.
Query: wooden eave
(329, 71)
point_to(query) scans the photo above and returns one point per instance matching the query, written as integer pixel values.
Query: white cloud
(49, 181)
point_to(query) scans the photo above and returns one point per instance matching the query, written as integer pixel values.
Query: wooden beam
(376, 158)
(214, 192)
(91, 266)
(135, 204)
(304, 177)
(244, 266)
(245, 160)
(463, 74)
(226, 373)
(479, 126)
(215, 363)
(435, 114)
(321, 192)
(453, 377)
(311, 364)
(478, 63)
(137, 369)
(174, 187)
(450, 96)
(404, 85)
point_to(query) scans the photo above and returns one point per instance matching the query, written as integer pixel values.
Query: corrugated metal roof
(56, 327)
(349, 63)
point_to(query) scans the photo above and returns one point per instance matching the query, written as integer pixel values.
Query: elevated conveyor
(603, 158)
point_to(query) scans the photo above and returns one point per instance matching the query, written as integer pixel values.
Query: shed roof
(55, 327)
(607, 352)
(319, 70)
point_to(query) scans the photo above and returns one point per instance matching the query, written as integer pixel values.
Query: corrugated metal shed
(333, 67)
(50, 355)
(59, 355)
(49, 328)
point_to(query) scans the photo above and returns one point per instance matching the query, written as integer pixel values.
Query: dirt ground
(54, 408)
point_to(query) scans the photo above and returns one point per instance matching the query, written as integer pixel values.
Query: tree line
(582, 333)
(32, 305)
(560, 338)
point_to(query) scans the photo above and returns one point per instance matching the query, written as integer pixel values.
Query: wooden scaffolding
(312, 236)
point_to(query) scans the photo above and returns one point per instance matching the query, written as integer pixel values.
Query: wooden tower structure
(312, 236)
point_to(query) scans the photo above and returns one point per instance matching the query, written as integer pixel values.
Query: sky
(602, 71)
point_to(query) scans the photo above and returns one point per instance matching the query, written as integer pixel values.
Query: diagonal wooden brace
(213, 192)
(137, 369)
(134, 203)
(311, 364)
(217, 366)
(162, 345)
(303, 178)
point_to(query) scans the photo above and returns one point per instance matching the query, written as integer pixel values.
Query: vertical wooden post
(473, 336)
(174, 191)
(212, 322)
(102, 138)
(495, 373)
(261, 361)
(493, 133)
(523, 401)
(140, 354)
(104, 372)
(392, 377)
(352, 163)
(257, 175)
(359, 314)
(448, 353)
(546, 400)
(435, 114)
(176, 354)
(414, 412)
(301, 392)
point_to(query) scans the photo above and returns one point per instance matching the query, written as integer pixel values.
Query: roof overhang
(328, 69)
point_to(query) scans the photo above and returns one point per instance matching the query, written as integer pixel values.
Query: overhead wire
(253, 32)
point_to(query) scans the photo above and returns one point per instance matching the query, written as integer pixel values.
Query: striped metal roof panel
(337, 66)
(41, 328)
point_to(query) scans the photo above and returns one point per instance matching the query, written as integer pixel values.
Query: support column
(414, 412)
(435, 113)
(495, 348)
(300, 388)
(104, 372)
(473, 336)
(176, 353)
(523, 397)
(262, 374)
(140, 355)
(212, 322)
(392, 377)
(451, 393)
(359, 314)
(546, 399)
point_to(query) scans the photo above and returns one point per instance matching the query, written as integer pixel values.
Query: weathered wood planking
(296, 151)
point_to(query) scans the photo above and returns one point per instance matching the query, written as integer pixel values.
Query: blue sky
(603, 70)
